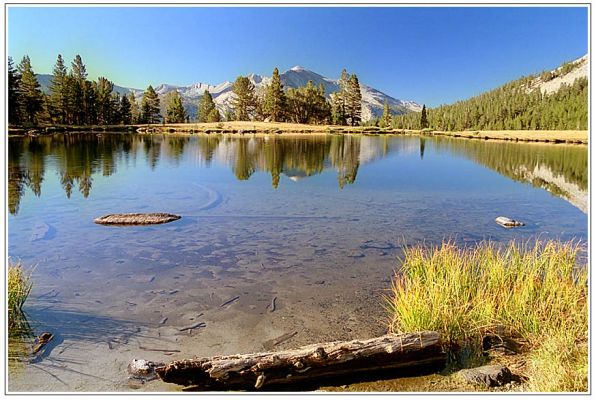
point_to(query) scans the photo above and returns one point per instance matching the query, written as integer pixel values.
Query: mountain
(550, 82)
(549, 100)
(373, 100)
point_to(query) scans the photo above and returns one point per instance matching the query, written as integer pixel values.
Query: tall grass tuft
(533, 292)
(19, 286)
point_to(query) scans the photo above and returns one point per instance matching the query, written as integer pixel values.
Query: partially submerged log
(508, 222)
(136, 219)
(309, 363)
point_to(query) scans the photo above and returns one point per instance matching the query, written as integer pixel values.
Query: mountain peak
(298, 68)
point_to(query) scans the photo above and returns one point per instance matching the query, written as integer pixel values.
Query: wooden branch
(308, 363)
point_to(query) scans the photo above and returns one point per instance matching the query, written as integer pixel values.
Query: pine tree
(307, 105)
(104, 105)
(175, 113)
(206, 107)
(125, 110)
(339, 100)
(275, 99)
(244, 99)
(14, 95)
(80, 92)
(115, 116)
(32, 99)
(59, 92)
(423, 118)
(353, 101)
(229, 116)
(135, 113)
(150, 107)
(214, 116)
(89, 112)
(386, 117)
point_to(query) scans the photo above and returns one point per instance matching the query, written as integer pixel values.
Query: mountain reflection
(560, 169)
(77, 158)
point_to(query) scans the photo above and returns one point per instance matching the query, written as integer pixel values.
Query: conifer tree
(14, 96)
(80, 92)
(175, 113)
(135, 112)
(275, 99)
(58, 101)
(339, 100)
(115, 116)
(423, 118)
(89, 107)
(104, 105)
(206, 107)
(386, 117)
(31, 96)
(353, 101)
(214, 116)
(125, 110)
(150, 107)
(244, 99)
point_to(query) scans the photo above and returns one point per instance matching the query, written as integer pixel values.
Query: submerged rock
(41, 231)
(136, 219)
(487, 375)
(508, 222)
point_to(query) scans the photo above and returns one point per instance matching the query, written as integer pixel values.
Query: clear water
(315, 222)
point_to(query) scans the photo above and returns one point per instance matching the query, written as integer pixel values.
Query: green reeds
(19, 286)
(535, 293)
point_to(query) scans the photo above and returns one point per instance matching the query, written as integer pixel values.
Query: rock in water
(143, 369)
(508, 222)
(136, 219)
(488, 375)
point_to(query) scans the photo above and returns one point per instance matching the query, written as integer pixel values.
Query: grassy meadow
(535, 294)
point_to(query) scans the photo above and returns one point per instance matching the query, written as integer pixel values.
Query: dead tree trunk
(308, 363)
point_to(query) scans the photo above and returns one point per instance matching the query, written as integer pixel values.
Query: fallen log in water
(136, 219)
(306, 364)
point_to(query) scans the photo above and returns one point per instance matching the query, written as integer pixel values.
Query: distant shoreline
(284, 128)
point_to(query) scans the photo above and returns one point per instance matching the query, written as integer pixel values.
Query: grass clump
(534, 293)
(19, 286)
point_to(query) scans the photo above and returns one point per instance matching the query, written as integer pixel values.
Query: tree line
(517, 105)
(75, 100)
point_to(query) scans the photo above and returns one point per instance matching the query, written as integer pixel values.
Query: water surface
(315, 222)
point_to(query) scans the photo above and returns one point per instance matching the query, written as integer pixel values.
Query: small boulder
(508, 222)
(487, 375)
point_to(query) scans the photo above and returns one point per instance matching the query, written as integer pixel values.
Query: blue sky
(429, 55)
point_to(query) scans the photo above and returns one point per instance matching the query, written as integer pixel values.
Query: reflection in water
(562, 170)
(20, 337)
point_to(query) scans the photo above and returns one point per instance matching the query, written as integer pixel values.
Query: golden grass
(259, 127)
(575, 136)
(531, 292)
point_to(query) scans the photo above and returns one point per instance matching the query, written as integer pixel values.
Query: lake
(314, 222)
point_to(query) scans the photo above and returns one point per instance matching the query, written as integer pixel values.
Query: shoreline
(283, 128)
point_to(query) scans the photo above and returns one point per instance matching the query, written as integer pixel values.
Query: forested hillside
(527, 103)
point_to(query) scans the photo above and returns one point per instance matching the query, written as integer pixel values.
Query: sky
(431, 55)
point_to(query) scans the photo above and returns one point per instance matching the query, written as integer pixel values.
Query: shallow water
(314, 222)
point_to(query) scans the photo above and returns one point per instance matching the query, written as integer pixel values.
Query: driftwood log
(136, 219)
(310, 363)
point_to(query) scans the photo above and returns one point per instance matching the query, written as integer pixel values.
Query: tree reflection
(78, 158)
